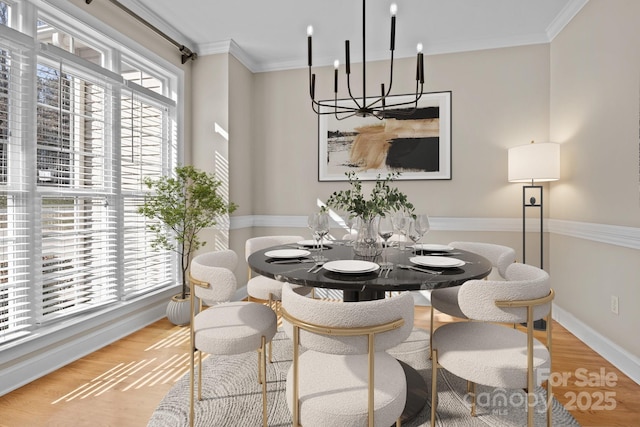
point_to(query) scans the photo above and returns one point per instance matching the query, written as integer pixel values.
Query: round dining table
(405, 274)
(280, 263)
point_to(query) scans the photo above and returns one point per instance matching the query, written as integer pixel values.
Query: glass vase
(366, 244)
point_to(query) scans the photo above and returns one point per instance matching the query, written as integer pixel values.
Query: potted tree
(183, 205)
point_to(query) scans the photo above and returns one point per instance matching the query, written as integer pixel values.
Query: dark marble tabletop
(361, 286)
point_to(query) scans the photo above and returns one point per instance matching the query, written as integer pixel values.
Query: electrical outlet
(614, 304)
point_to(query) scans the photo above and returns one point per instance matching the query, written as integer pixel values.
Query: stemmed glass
(401, 223)
(418, 227)
(350, 221)
(312, 221)
(385, 231)
(422, 223)
(319, 223)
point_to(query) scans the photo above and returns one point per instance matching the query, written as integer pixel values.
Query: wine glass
(350, 221)
(415, 231)
(401, 222)
(312, 223)
(385, 231)
(321, 229)
(422, 223)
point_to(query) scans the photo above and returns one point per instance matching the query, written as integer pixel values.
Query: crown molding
(564, 17)
(231, 47)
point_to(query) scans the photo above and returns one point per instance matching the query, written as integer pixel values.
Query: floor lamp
(531, 163)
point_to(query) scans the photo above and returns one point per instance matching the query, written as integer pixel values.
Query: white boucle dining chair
(445, 300)
(260, 288)
(225, 328)
(344, 376)
(485, 351)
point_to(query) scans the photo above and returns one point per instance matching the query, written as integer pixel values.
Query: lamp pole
(530, 163)
(532, 203)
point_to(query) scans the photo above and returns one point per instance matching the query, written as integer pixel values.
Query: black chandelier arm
(349, 91)
(331, 107)
(312, 85)
(386, 106)
(343, 117)
(390, 76)
(400, 112)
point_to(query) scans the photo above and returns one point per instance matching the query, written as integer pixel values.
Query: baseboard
(612, 352)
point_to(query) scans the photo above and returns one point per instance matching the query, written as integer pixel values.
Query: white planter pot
(179, 310)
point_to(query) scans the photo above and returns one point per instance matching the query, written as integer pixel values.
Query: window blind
(145, 141)
(16, 315)
(78, 257)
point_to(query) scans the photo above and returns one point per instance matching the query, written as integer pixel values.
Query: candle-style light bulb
(420, 64)
(309, 34)
(336, 64)
(393, 10)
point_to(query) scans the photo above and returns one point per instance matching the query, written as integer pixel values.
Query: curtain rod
(185, 51)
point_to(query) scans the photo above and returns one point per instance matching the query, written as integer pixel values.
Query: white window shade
(534, 162)
(16, 308)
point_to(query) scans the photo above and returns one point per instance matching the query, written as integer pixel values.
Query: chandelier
(365, 106)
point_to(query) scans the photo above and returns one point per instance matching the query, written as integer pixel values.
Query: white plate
(287, 253)
(432, 247)
(351, 266)
(312, 243)
(437, 261)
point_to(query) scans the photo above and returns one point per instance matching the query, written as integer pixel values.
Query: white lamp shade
(538, 161)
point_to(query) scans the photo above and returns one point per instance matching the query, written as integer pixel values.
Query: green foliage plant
(382, 200)
(183, 205)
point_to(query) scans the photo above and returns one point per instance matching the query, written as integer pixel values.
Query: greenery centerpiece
(183, 205)
(383, 200)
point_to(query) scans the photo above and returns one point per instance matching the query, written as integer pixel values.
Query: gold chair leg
(199, 375)
(549, 387)
(472, 391)
(398, 423)
(191, 390)
(264, 381)
(259, 366)
(192, 360)
(431, 335)
(434, 384)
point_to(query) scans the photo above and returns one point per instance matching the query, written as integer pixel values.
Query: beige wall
(500, 99)
(595, 75)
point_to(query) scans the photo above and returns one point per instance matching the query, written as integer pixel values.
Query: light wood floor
(122, 384)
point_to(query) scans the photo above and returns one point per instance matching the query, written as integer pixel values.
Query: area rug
(231, 395)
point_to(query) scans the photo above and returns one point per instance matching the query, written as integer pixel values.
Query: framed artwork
(417, 144)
